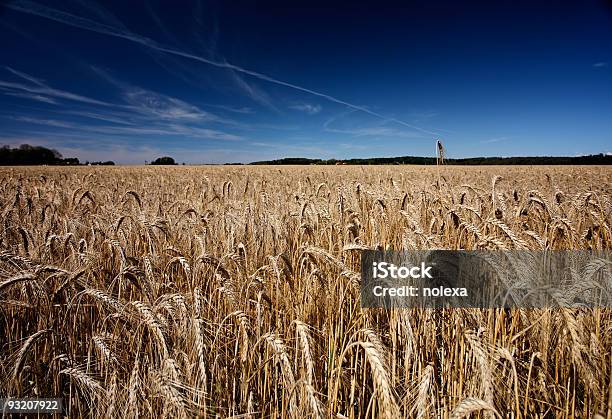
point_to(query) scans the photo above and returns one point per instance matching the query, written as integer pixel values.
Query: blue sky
(241, 81)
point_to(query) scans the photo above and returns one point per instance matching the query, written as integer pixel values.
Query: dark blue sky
(243, 81)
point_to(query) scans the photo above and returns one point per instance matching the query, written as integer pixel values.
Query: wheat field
(234, 292)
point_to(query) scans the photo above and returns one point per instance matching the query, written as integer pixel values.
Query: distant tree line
(594, 159)
(29, 155)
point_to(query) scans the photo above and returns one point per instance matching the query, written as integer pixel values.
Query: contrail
(33, 8)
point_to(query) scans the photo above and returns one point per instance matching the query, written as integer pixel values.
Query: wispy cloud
(307, 107)
(377, 132)
(123, 118)
(424, 114)
(600, 64)
(33, 8)
(157, 105)
(494, 140)
(38, 89)
(154, 104)
(142, 113)
(48, 122)
(371, 131)
(351, 146)
(166, 130)
(49, 92)
(32, 96)
(252, 91)
(27, 77)
(240, 110)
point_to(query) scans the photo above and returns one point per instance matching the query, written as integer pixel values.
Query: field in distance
(220, 291)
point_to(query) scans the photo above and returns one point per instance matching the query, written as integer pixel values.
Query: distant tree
(73, 161)
(103, 163)
(164, 161)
